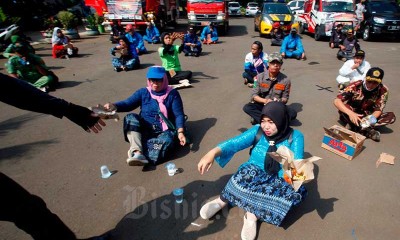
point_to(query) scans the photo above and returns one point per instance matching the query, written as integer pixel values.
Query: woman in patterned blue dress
(258, 186)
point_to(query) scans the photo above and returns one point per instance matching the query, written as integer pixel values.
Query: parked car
(380, 18)
(271, 13)
(251, 9)
(296, 6)
(234, 9)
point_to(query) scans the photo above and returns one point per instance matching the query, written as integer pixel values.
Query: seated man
(348, 46)
(192, 44)
(255, 62)
(363, 100)
(336, 37)
(209, 34)
(117, 31)
(292, 47)
(273, 86)
(135, 39)
(152, 34)
(31, 68)
(277, 34)
(353, 70)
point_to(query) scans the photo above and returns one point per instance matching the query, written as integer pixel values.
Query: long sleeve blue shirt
(292, 43)
(257, 157)
(149, 107)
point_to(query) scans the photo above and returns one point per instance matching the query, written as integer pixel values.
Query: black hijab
(278, 113)
(167, 48)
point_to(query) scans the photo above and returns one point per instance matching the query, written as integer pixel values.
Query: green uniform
(29, 72)
(170, 62)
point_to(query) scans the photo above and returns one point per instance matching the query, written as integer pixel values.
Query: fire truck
(136, 12)
(202, 12)
(321, 16)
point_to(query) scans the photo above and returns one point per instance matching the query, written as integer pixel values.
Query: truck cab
(202, 12)
(320, 16)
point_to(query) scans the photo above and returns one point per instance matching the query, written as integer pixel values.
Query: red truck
(201, 12)
(136, 12)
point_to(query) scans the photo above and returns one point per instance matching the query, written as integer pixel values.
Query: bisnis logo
(338, 145)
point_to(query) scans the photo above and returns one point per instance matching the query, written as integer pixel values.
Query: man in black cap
(361, 105)
(192, 44)
(348, 46)
(337, 36)
(353, 70)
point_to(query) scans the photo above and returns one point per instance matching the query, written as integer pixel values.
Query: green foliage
(50, 23)
(99, 19)
(67, 19)
(3, 16)
(91, 22)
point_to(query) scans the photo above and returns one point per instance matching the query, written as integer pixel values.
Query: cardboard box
(343, 142)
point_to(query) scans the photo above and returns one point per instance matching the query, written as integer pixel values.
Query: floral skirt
(265, 195)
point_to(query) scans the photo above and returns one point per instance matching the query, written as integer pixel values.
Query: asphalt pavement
(59, 162)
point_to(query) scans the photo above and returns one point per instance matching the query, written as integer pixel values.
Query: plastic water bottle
(368, 121)
(255, 82)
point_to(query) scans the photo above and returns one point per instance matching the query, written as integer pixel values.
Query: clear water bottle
(368, 121)
(255, 82)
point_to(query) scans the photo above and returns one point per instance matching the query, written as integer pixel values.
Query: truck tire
(366, 33)
(225, 29)
(301, 28)
(317, 33)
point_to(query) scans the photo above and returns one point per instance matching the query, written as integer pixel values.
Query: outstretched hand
(207, 161)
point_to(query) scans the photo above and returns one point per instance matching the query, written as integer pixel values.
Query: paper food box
(343, 142)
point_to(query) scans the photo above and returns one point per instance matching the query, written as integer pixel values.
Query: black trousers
(30, 213)
(254, 110)
(180, 75)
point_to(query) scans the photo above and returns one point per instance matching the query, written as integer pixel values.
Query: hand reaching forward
(207, 161)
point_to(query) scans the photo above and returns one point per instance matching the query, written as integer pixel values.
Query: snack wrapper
(104, 114)
(296, 172)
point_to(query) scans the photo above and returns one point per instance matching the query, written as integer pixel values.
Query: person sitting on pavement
(292, 47)
(362, 101)
(135, 39)
(169, 54)
(258, 186)
(16, 40)
(128, 58)
(150, 133)
(31, 68)
(272, 86)
(209, 34)
(152, 34)
(277, 34)
(117, 31)
(353, 70)
(255, 62)
(192, 44)
(348, 46)
(337, 36)
(62, 46)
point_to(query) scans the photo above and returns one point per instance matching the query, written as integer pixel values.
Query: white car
(296, 6)
(251, 9)
(234, 9)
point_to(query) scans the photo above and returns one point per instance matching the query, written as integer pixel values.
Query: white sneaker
(210, 209)
(137, 159)
(249, 230)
